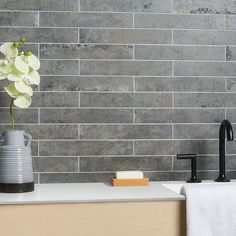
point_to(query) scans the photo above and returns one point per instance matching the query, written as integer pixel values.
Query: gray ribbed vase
(16, 171)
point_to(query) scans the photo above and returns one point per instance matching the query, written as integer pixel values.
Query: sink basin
(176, 187)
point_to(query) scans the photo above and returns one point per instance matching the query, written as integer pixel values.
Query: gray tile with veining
(126, 36)
(150, 52)
(231, 115)
(231, 84)
(74, 148)
(53, 5)
(205, 100)
(125, 131)
(204, 37)
(204, 84)
(182, 68)
(230, 22)
(125, 99)
(75, 177)
(196, 131)
(21, 116)
(40, 35)
(143, 163)
(58, 164)
(86, 115)
(205, 6)
(89, 83)
(19, 19)
(177, 21)
(59, 67)
(181, 175)
(84, 19)
(173, 147)
(126, 68)
(85, 51)
(163, 6)
(55, 99)
(179, 115)
(41, 131)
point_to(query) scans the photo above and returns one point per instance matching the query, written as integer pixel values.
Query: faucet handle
(193, 158)
(186, 156)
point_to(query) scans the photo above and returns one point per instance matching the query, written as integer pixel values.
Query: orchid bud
(23, 40)
(16, 44)
(28, 53)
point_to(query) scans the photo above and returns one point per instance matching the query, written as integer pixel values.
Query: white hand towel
(129, 175)
(211, 209)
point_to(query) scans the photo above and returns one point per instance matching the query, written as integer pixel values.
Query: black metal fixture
(193, 158)
(225, 126)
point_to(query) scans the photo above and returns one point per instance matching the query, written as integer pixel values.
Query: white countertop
(90, 192)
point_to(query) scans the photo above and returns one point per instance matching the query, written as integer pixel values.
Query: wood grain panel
(162, 218)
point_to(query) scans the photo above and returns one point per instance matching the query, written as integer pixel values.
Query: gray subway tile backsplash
(44, 131)
(87, 83)
(204, 37)
(125, 85)
(91, 67)
(125, 131)
(178, 21)
(125, 99)
(205, 6)
(83, 19)
(40, 35)
(150, 52)
(42, 5)
(76, 148)
(126, 36)
(92, 115)
(182, 84)
(59, 67)
(181, 115)
(158, 147)
(19, 19)
(85, 51)
(144, 163)
(160, 6)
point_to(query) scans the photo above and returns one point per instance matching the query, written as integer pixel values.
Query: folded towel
(129, 175)
(211, 209)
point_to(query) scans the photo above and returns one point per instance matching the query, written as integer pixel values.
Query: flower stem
(11, 115)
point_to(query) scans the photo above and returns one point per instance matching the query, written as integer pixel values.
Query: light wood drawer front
(161, 218)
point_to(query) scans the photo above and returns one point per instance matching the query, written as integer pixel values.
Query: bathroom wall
(126, 85)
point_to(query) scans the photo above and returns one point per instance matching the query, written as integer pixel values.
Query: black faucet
(193, 158)
(225, 125)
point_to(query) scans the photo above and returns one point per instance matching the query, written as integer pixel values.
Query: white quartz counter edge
(90, 192)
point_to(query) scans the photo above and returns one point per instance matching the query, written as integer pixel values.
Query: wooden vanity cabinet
(157, 218)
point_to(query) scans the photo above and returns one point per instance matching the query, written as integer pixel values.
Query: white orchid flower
(21, 70)
(26, 63)
(22, 87)
(23, 101)
(5, 68)
(32, 77)
(15, 75)
(9, 50)
(21, 64)
(11, 90)
(33, 62)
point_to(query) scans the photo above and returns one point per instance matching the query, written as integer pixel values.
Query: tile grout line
(220, 30)
(113, 12)
(38, 19)
(79, 6)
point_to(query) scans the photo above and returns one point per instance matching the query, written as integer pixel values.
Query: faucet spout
(225, 126)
